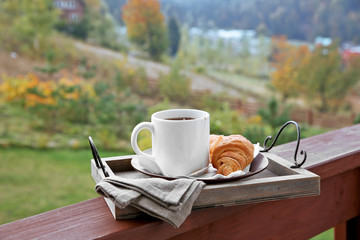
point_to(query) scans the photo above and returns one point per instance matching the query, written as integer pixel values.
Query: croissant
(230, 153)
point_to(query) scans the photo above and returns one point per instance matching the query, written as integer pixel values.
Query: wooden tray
(278, 181)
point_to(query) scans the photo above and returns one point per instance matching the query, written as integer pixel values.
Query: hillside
(303, 20)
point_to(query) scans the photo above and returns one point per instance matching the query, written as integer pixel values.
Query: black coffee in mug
(180, 118)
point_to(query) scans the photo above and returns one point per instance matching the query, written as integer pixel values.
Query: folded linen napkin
(170, 201)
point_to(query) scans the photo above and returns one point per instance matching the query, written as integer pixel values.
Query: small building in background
(350, 52)
(323, 41)
(71, 10)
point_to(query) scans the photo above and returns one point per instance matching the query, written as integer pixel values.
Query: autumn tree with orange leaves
(145, 25)
(288, 60)
(319, 75)
(326, 78)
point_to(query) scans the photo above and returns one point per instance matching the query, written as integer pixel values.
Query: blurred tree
(115, 9)
(244, 55)
(245, 46)
(101, 25)
(97, 25)
(191, 48)
(261, 58)
(29, 22)
(145, 25)
(325, 77)
(174, 36)
(287, 61)
(320, 74)
(102, 31)
(176, 86)
(79, 29)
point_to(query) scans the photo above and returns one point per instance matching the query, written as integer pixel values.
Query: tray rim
(288, 183)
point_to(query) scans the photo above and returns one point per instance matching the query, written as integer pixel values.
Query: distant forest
(297, 19)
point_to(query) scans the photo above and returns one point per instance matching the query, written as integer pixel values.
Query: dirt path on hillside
(154, 69)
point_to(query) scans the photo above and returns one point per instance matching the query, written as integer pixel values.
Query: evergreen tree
(174, 36)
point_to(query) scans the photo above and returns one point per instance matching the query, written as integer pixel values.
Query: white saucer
(141, 163)
(207, 174)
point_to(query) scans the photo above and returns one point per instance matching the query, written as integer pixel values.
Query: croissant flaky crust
(230, 153)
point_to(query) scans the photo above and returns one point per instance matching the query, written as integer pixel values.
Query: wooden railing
(334, 156)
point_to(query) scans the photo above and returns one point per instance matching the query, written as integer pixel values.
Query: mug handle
(134, 136)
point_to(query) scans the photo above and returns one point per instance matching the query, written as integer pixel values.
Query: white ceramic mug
(180, 140)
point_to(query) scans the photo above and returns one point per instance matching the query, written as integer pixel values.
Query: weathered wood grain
(299, 218)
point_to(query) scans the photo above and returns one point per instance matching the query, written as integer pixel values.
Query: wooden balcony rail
(334, 156)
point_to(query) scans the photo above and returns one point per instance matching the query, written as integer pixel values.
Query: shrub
(255, 133)
(52, 101)
(226, 121)
(140, 83)
(274, 115)
(357, 119)
(175, 86)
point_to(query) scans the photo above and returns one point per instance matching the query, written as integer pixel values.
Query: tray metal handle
(97, 159)
(302, 152)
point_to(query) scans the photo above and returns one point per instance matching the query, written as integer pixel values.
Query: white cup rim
(191, 113)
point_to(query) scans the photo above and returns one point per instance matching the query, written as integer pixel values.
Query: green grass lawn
(35, 181)
(327, 235)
